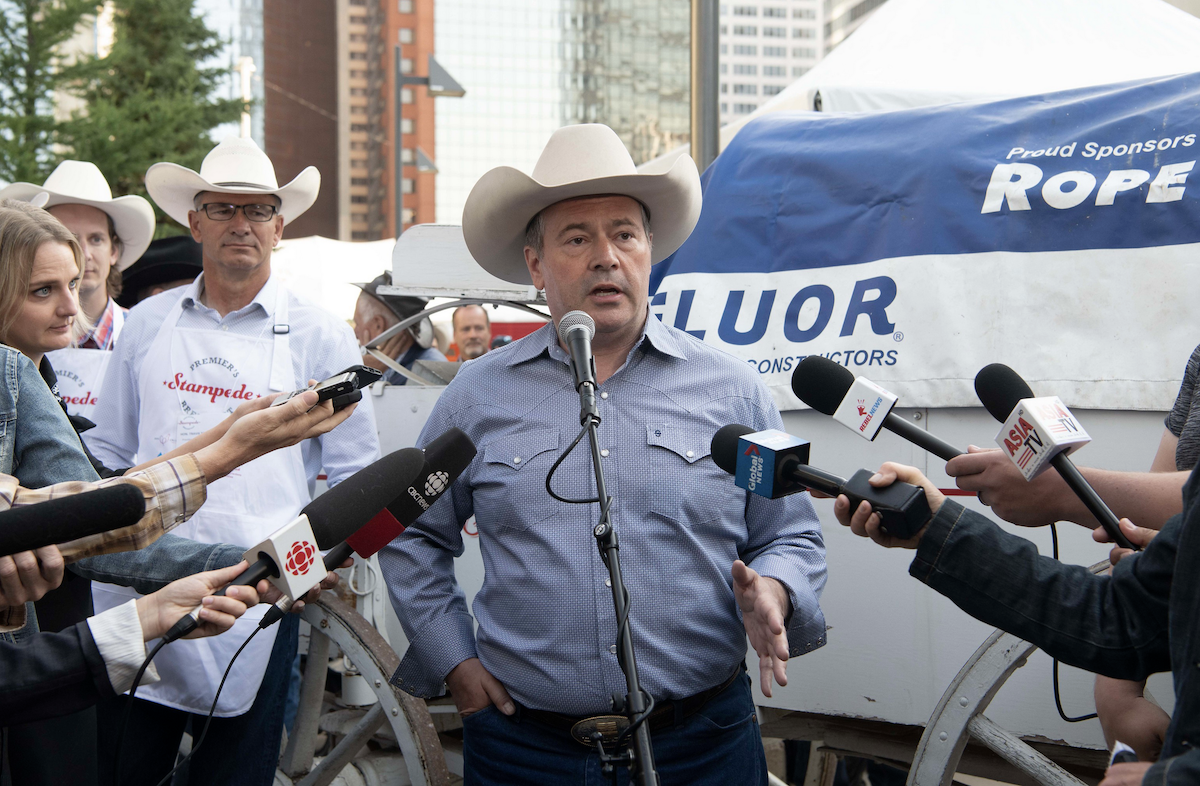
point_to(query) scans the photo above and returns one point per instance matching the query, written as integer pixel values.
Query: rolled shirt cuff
(118, 636)
(442, 645)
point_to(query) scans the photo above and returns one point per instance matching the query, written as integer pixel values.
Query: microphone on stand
(576, 329)
(859, 404)
(1041, 432)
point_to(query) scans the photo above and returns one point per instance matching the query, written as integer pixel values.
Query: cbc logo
(436, 483)
(300, 557)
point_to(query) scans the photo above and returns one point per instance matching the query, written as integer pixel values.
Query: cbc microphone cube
(294, 550)
(1037, 430)
(759, 457)
(864, 408)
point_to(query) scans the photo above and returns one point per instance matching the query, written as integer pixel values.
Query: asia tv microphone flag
(1059, 233)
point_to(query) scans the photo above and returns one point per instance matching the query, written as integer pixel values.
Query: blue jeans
(718, 745)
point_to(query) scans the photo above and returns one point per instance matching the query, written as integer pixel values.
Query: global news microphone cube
(1037, 430)
(760, 457)
(293, 549)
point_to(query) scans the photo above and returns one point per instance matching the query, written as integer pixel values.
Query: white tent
(926, 52)
(324, 271)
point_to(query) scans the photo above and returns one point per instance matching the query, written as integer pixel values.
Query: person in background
(168, 263)
(112, 234)
(375, 313)
(472, 331)
(189, 356)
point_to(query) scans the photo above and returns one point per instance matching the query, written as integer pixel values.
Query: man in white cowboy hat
(375, 313)
(706, 563)
(187, 358)
(113, 233)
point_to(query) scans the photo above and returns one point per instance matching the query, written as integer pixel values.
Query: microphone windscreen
(725, 444)
(344, 509)
(821, 384)
(999, 389)
(445, 459)
(68, 518)
(573, 319)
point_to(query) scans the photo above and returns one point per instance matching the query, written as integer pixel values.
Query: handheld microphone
(64, 519)
(859, 404)
(329, 519)
(1041, 432)
(774, 464)
(445, 459)
(575, 330)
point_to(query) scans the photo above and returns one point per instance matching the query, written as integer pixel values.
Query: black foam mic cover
(821, 384)
(724, 446)
(67, 518)
(1000, 389)
(344, 509)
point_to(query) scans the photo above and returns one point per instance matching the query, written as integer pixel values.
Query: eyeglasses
(219, 211)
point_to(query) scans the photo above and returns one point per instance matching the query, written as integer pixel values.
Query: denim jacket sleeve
(39, 446)
(163, 561)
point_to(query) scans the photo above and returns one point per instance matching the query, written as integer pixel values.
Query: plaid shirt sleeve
(173, 490)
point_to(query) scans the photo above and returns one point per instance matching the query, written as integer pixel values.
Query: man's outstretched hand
(765, 605)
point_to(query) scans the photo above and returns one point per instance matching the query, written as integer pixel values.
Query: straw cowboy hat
(236, 166)
(580, 160)
(82, 183)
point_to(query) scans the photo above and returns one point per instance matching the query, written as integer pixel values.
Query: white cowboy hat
(236, 166)
(579, 160)
(82, 183)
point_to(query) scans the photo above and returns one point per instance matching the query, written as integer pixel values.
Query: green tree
(32, 69)
(150, 99)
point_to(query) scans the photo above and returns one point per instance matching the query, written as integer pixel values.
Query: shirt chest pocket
(510, 490)
(689, 489)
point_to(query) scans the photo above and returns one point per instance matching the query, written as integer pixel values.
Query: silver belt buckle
(608, 726)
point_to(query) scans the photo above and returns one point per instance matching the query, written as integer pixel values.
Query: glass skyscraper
(531, 66)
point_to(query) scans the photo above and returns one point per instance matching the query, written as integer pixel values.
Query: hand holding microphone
(1038, 433)
(774, 464)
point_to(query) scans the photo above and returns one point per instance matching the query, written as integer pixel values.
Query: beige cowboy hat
(580, 160)
(82, 183)
(236, 166)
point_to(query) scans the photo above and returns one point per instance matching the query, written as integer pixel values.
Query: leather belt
(665, 715)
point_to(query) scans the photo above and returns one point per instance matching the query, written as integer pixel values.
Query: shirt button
(604, 453)
(516, 459)
(604, 394)
(224, 327)
(608, 583)
(691, 454)
(612, 649)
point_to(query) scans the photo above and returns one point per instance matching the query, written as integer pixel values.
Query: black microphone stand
(641, 762)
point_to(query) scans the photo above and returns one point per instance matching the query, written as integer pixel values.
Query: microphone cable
(624, 618)
(1054, 667)
(137, 680)
(203, 731)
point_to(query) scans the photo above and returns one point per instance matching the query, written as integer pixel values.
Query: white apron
(189, 381)
(81, 371)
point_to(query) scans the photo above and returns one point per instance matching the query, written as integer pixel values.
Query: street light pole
(704, 115)
(440, 85)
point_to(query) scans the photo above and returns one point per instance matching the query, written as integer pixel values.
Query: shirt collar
(101, 334)
(655, 335)
(265, 297)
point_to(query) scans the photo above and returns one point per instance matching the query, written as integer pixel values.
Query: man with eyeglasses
(187, 359)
